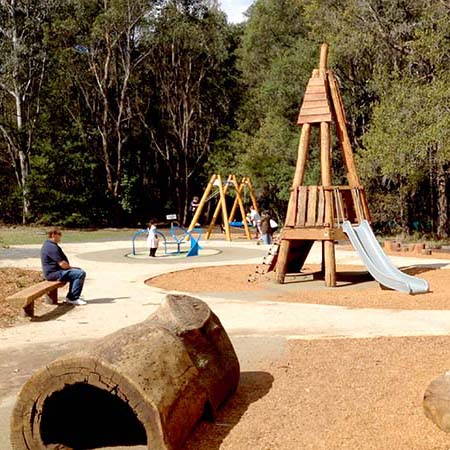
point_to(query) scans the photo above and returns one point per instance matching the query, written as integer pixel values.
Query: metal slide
(378, 264)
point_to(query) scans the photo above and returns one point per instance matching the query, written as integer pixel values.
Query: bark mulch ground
(11, 281)
(363, 394)
(356, 290)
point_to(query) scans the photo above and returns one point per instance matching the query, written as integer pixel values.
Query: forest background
(116, 111)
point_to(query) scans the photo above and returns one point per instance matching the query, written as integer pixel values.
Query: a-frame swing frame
(221, 207)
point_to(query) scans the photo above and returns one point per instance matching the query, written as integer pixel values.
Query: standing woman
(152, 238)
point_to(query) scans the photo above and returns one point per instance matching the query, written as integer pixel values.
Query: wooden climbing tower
(315, 212)
(224, 188)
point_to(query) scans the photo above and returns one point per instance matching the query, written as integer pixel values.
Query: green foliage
(276, 60)
(128, 106)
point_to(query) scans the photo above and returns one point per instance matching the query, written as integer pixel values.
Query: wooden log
(341, 129)
(302, 155)
(314, 234)
(292, 208)
(321, 208)
(391, 246)
(312, 206)
(302, 205)
(147, 384)
(241, 207)
(436, 402)
(283, 254)
(323, 62)
(419, 247)
(202, 203)
(325, 162)
(251, 191)
(221, 207)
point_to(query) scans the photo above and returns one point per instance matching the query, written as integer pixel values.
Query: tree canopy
(115, 112)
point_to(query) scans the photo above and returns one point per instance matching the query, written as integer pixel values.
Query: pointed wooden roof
(315, 107)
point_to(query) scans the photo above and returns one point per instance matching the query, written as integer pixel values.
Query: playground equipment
(221, 207)
(179, 235)
(327, 213)
(147, 384)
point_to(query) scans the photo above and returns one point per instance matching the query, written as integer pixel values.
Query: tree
(22, 73)
(188, 68)
(276, 59)
(106, 53)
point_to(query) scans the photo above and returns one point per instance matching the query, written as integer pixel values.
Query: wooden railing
(348, 203)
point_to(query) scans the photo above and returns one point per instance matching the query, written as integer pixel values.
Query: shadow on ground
(417, 270)
(209, 436)
(343, 278)
(104, 300)
(55, 313)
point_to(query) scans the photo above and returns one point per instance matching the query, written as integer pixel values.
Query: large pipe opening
(82, 416)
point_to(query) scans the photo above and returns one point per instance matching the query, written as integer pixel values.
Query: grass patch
(35, 235)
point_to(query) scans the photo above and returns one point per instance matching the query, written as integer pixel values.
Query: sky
(235, 9)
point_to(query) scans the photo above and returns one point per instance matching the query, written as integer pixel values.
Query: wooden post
(341, 130)
(242, 209)
(221, 206)
(202, 203)
(282, 261)
(300, 168)
(223, 203)
(302, 155)
(239, 188)
(325, 162)
(252, 193)
(53, 296)
(323, 60)
(216, 210)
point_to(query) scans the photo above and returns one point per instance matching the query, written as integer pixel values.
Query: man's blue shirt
(51, 256)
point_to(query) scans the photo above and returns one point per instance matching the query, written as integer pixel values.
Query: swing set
(228, 186)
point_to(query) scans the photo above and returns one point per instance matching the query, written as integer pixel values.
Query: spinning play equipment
(179, 235)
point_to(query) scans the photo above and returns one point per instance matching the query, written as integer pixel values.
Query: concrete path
(118, 297)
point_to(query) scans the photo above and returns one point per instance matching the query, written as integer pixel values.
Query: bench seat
(25, 298)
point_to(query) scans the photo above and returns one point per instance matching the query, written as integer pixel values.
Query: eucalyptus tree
(103, 54)
(23, 66)
(188, 66)
(408, 140)
(276, 59)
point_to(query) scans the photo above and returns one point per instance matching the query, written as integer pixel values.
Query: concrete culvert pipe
(147, 384)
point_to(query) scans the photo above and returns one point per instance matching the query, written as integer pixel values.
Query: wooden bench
(25, 298)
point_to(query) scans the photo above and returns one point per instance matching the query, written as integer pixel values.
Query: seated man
(56, 267)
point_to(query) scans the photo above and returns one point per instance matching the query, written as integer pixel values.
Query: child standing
(152, 238)
(256, 221)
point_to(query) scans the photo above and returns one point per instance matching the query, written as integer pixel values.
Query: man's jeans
(76, 279)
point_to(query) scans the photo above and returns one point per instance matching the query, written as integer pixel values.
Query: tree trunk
(146, 384)
(24, 173)
(442, 202)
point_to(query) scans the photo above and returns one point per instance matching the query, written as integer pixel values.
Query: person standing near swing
(152, 238)
(195, 203)
(256, 221)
